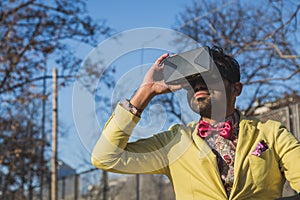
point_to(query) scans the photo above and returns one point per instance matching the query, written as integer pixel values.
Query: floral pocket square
(260, 147)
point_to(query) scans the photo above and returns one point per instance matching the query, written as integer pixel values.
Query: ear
(237, 88)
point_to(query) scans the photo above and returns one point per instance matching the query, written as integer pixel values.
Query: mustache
(201, 88)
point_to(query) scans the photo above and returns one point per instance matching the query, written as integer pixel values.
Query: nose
(197, 83)
(200, 86)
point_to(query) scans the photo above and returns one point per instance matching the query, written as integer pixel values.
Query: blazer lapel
(205, 152)
(246, 135)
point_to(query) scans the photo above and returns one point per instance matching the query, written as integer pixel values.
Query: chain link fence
(289, 116)
(90, 186)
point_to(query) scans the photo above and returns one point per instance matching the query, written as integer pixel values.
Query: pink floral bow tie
(222, 128)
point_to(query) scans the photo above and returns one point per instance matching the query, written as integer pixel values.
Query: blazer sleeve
(112, 151)
(288, 150)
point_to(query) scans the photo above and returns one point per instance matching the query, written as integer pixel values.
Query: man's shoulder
(179, 130)
(270, 125)
(190, 126)
(262, 123)
(269, 128)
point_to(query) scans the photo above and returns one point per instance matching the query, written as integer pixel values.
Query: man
(223, 156)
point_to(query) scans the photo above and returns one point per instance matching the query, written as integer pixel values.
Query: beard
(208, 107)
(213, 106)
(202, 106)
(205, 107)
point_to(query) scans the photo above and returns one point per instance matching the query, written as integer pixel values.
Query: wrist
(142, 97)
(131, 108)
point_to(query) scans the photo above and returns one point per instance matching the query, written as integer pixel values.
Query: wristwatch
(131, 108)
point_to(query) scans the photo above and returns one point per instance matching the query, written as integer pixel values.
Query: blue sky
(121, 16)
(124, 15)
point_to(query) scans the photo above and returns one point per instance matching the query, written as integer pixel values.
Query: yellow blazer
(191, 166)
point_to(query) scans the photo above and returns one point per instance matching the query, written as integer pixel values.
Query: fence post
(296, 119)
(76, 186)
(54, 138)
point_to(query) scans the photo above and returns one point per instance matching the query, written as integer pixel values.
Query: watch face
(184, 66)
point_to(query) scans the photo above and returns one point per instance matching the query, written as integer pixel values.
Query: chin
(203, 109)
(205, 113)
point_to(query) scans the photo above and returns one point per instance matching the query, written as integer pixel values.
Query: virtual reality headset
(190, 66)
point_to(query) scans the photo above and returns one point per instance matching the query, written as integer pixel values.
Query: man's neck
(216, 120)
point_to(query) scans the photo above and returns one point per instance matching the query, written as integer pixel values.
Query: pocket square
(260, 147)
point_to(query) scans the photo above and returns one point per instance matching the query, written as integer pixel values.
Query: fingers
(161, 58)
(174, 88)
(155, 79)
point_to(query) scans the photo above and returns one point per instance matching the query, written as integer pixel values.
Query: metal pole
(54, 138)
(76, 184)
(137, 187)
(105, 185)
(43, 136)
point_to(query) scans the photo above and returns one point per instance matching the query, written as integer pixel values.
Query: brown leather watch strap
(131, 108)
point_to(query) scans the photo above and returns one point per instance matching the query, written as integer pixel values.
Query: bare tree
(20, 142)
(32, 32)
(262, 35)
(35, 36)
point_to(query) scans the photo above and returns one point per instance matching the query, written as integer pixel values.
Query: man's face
(207, 99)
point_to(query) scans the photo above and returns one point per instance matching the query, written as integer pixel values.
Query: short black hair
(228, 67)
